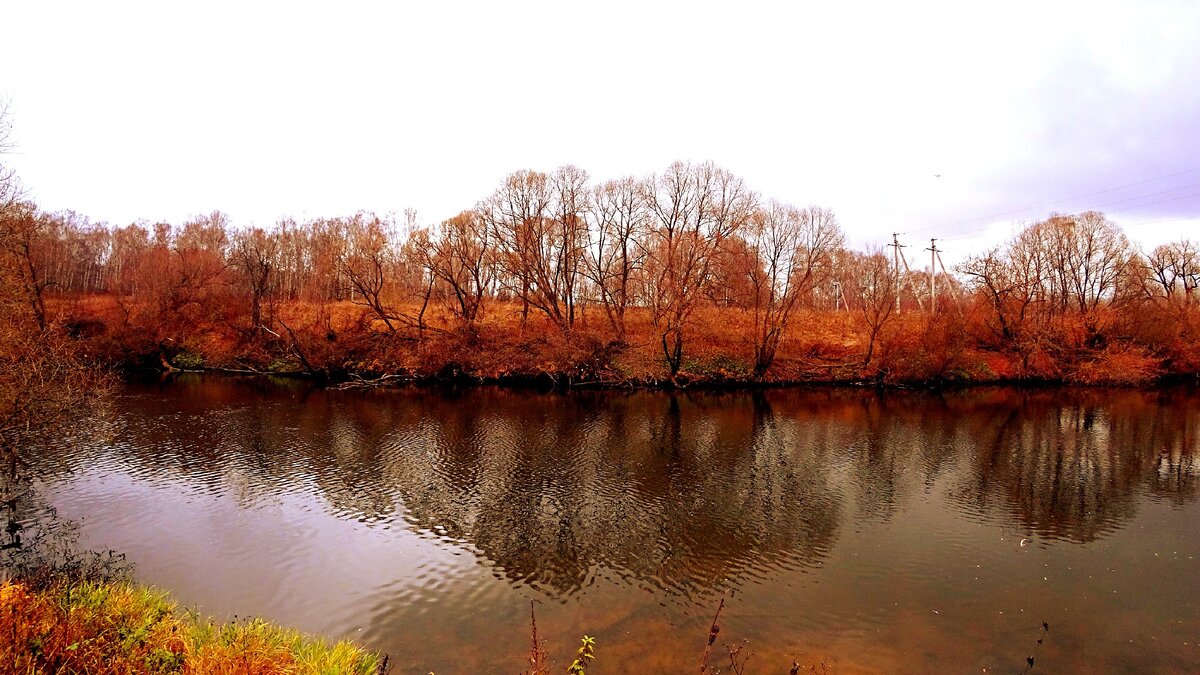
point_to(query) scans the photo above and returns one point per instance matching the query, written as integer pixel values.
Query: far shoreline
(560, 383)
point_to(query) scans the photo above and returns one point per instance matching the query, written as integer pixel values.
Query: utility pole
(933, 259)
(896, 265)
(946, 274)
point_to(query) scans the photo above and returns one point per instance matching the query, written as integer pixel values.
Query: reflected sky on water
(892, 532)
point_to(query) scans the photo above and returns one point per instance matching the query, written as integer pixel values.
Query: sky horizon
(932, 119)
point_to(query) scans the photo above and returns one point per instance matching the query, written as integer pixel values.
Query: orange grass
(340, 338)
(117, 628)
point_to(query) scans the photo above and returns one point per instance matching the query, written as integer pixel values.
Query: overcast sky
(160, 111)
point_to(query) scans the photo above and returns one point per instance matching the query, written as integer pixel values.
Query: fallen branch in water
(359, 382)
(294, 347)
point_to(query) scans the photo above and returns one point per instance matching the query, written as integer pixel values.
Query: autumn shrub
(1040, 360)
(961, 342)
(188, 360)
(1171, 331)
(1117, 364)
(722, 367)
(931, 347)
(1183, 354)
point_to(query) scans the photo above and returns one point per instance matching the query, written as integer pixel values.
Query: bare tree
(365, 267)
(416, 270)
(21, 235)
(44, 379)
(517, 214)
(1076, 259)
(539, 224)
(571, 206)
(876, 280)
(253, 255)
(461, 257)
(793, 252)
(1171, 273)
(10, 186)
(185, 270)
(620, 222)
(370, 266)
(695, 208)
(999, 281)
(1097, 253)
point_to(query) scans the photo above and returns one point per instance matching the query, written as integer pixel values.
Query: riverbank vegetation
(681, 276)
(115, 627)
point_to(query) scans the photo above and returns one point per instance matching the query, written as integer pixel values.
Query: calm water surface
(880, 533)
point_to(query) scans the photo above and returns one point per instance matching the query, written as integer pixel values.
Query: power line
(1159, 221)
(1057, 201)
(980, 230)
(1155, 203)
(1151, 194)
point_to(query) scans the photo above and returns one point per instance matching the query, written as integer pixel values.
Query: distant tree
(620, 222)
(1065, 267)
(185, 273)
(22, 234)
(415, 270)
(461, 257)
(695, 208)
(517, 215)
(539, 223)
(793, 254)
(1170, 273)
(253, 255)
(1088, 254)
(570, 210)
(128, 247)
(876, 281)
(10, 186)
(368, 266)
(1006, 289)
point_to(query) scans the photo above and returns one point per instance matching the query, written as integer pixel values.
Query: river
(874, 532)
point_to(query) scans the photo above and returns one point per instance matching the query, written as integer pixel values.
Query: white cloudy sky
(159, 111)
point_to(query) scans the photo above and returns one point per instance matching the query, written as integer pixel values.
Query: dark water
(894, 533)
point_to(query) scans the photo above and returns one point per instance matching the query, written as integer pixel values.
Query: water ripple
(378, 514)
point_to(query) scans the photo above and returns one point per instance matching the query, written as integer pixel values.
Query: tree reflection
(680, 492)
(1071, 464)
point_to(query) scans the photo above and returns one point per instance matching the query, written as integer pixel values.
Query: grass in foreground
(104, 628)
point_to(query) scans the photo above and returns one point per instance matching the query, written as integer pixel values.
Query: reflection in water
(1072, 466)
(674, 496)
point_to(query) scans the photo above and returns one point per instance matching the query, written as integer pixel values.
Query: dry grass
(340, 338)
(116, 628)
(1117, 365)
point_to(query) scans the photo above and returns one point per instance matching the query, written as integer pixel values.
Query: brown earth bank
(345, 344)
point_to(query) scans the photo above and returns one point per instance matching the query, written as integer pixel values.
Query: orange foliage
(1117, 365)
(675, 278)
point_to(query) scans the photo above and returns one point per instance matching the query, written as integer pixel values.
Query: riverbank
(118, 627)
(342, 343)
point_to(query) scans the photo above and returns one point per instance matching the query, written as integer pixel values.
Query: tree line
(563, 249)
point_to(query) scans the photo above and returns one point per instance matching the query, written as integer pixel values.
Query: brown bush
(1119, 364)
